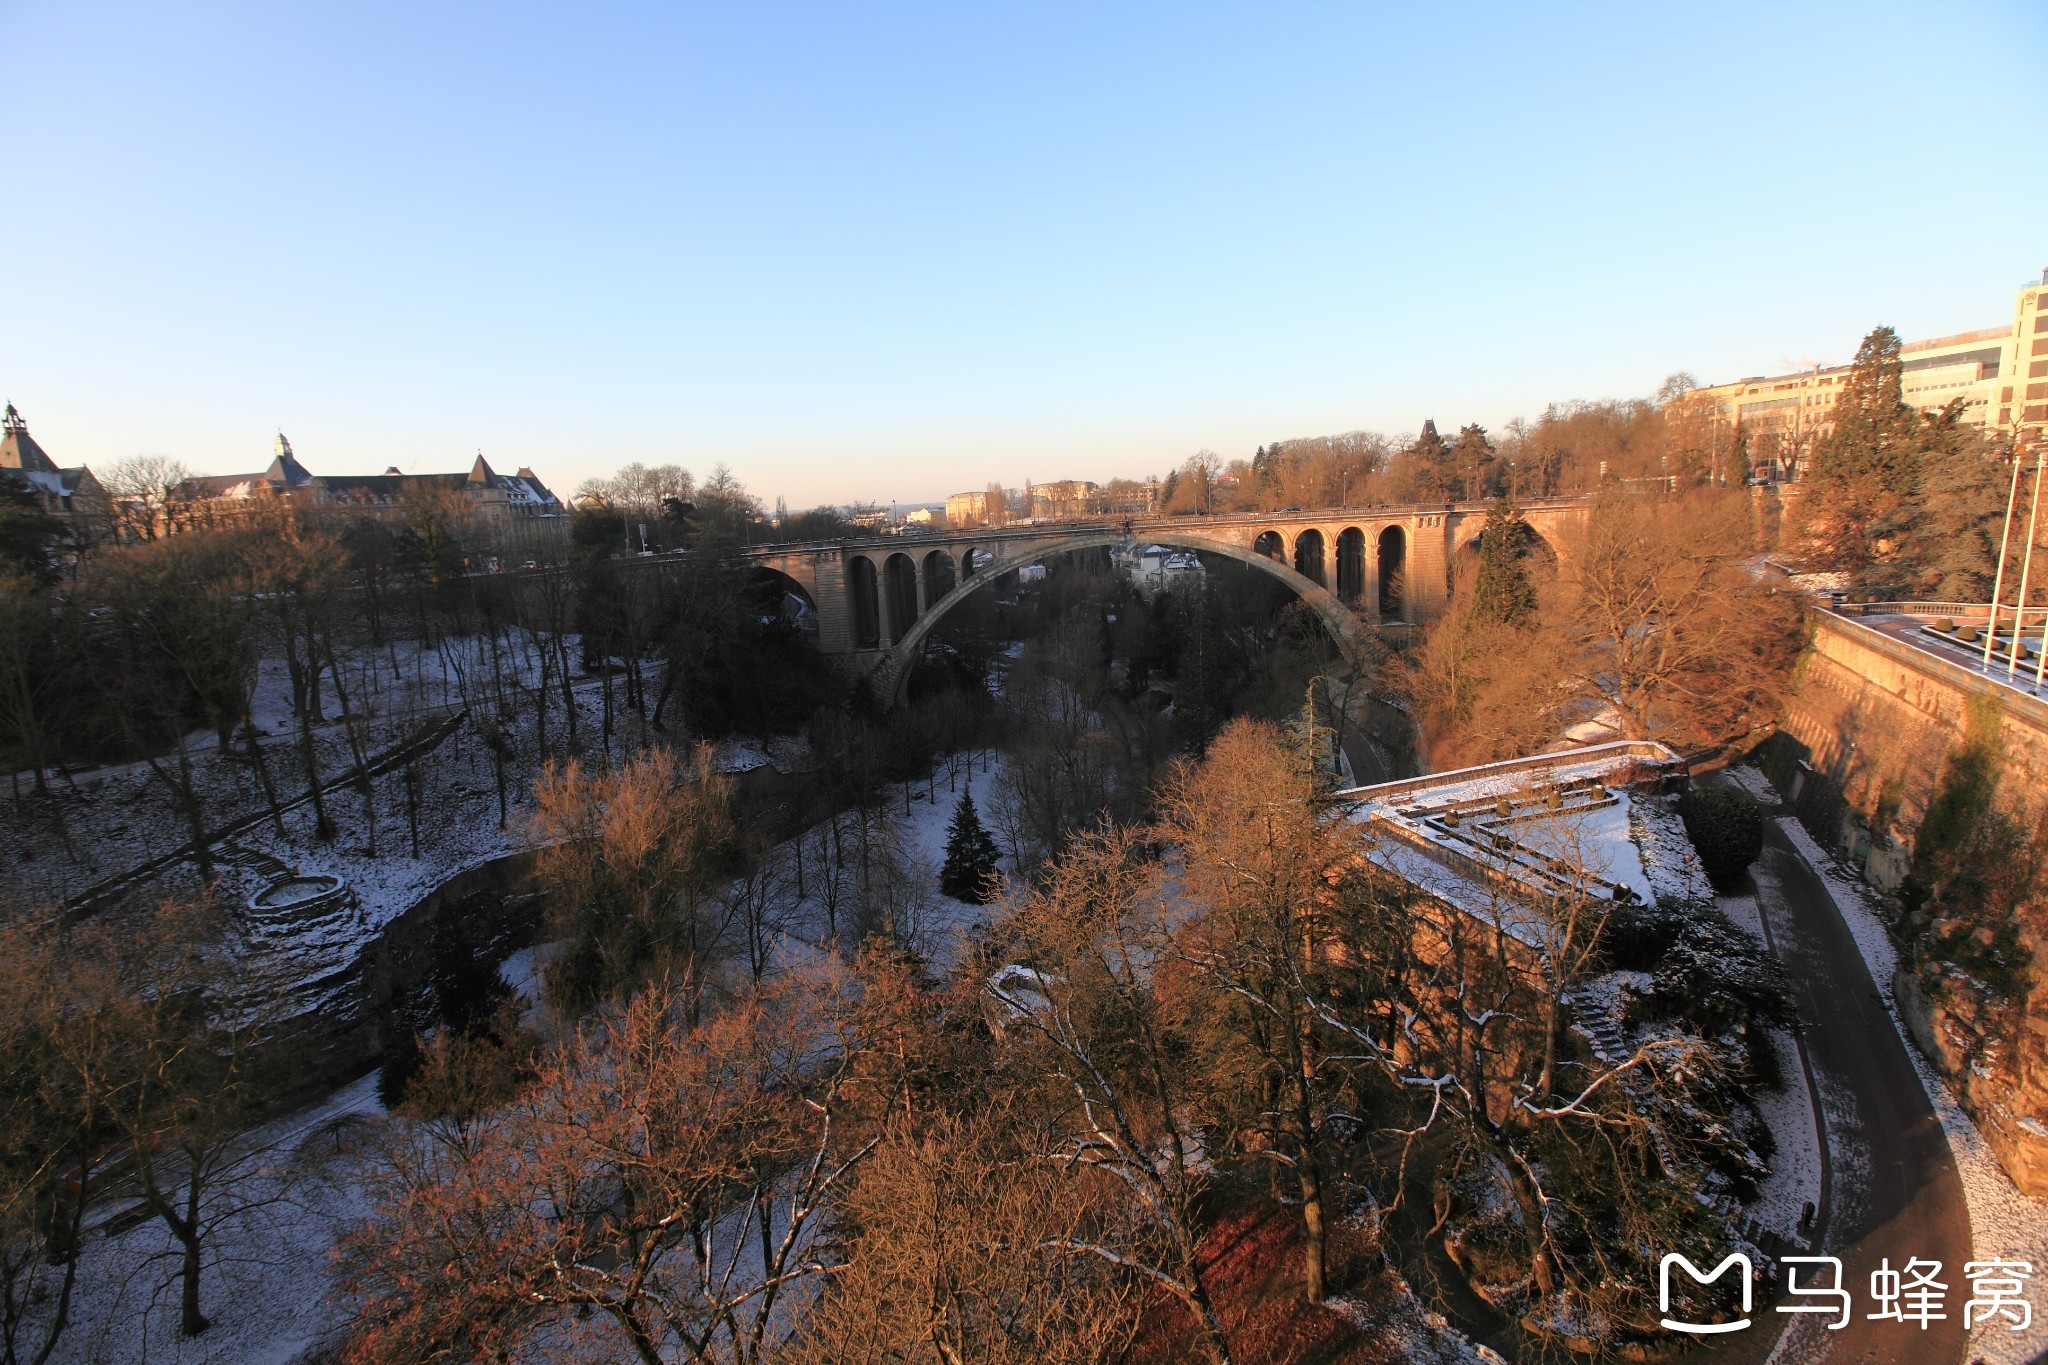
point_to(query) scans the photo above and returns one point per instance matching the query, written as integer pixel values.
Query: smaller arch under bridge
(1359, 569)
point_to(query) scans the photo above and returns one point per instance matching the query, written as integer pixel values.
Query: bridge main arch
(1354, 638)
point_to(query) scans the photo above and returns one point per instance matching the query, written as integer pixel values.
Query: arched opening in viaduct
(1350, 565)
(866, 602)
(1270, 545)
(1393, 551)
(938, 575)
(1308, 557)
(776, 593)
(1538, 553)
(899, 579)
(1342, 624)
(974, 561)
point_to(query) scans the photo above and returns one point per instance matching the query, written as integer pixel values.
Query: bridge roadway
(1358, 568)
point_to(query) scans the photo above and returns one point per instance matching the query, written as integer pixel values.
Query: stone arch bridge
(1359, 569)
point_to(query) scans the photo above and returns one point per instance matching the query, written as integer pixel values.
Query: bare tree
(631, 859)
(32, 679)
(140, 489)
(659, 1188)
(960, 1248)
(1670, 629)
(1115, 1087)
(1260, 853)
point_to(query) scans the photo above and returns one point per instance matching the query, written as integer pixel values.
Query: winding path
(1893, 1191)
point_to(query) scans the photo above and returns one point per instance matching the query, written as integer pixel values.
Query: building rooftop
(1505, 840)
(1958, 339)
(18, 449)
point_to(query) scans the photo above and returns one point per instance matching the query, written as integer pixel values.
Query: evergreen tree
(1502, 591)
(1866, 473)
(970, 871)
(29, 536)
(1431, 459)
(1471, 461)
(1197, 686)
(1949, 549)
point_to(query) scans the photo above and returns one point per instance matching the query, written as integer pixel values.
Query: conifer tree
(1197, 686)
(1866, 473)
(970, 870)
(1470, 472)
(1502, 592)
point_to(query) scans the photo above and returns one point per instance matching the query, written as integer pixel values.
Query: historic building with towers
(73, 496)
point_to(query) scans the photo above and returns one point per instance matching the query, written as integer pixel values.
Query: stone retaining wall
(1862, 751)
(1867, 731)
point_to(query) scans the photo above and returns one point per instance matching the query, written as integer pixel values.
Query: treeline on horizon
(1573, 447)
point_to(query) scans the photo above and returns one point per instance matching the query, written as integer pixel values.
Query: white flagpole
(1998, 584)
(2026, 571)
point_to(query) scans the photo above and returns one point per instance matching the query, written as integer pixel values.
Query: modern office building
(1999, 373)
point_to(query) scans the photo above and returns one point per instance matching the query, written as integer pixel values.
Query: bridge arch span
(1353, 636)
(787, 585)
(1539, 549)
(940, 575)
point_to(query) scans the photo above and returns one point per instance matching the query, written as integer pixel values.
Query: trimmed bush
(1726, 827)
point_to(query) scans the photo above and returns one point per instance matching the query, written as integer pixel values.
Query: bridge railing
(1046, 527)
(1950, 611)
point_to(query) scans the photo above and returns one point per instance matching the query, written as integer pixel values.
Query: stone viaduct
(1358, 568)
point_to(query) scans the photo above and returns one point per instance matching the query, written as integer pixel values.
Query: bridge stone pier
(1360, 569)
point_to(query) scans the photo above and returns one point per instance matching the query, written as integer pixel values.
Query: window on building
(2041, 347)
(2004, 416)
(2037, 369)
(2037, 391)
(2041, 322)
(2005, 395)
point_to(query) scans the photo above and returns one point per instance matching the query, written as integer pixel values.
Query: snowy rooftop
(1531, 830)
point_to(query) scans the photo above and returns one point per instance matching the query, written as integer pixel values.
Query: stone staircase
(1611, 1047)
(249, 859)
(292, 902)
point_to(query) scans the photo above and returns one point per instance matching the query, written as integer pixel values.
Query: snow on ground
(1753, 781)
(1795, 1179)
(118, 817)
(1671, 866)
(1788, 1109)
(2004, 1224)
(784, 753)
(270, 1274)
(1605, 844)
(1423, 1337)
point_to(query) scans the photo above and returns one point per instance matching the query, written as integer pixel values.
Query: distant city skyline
(891, 253)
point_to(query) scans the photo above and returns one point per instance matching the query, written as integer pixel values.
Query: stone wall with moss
(1934, 782)
(1868, 731)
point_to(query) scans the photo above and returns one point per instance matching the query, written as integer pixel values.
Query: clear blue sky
(889, 251)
